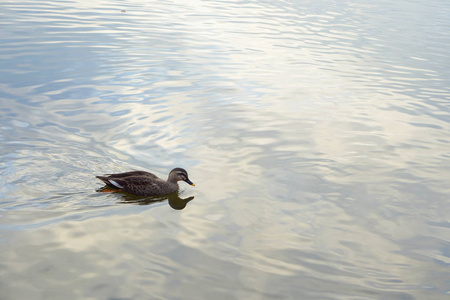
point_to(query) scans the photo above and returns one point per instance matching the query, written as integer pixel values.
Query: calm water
(317, 134)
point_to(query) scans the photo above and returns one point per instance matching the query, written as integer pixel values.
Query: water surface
(317, 134)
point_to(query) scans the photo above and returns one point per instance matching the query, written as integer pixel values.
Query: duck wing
(121, 181)
(132, 174)
(146, 186)
(139, 185)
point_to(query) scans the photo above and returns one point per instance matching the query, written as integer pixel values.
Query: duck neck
(172, 179)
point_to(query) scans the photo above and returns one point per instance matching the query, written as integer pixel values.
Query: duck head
(178, 174)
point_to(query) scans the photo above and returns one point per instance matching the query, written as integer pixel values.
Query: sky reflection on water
(317, 135)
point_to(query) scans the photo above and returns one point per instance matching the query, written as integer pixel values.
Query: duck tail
(106, 181)
(103, 178)
(117, 184)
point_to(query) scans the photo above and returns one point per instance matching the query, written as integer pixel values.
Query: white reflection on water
(316, 133)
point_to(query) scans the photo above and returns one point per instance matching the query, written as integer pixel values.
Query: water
(317, 134)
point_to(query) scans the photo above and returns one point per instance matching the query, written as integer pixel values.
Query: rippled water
(317, 134)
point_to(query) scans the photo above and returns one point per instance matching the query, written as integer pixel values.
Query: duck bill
(190, 182)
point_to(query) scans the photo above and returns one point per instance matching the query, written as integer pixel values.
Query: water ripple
(317, 134)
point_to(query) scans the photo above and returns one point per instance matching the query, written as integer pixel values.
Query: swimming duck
(143, 183)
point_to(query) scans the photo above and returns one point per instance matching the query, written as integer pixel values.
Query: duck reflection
(173, 198)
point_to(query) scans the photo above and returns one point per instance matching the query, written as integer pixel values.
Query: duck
(142, 183)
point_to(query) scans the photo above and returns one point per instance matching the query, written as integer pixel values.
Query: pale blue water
(317, 134)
